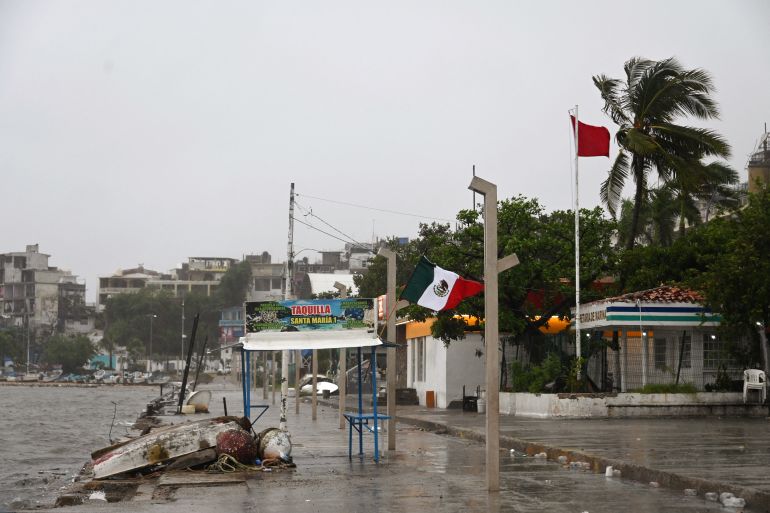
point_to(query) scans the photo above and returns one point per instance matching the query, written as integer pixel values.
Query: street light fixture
(149, 354)
(181, 354)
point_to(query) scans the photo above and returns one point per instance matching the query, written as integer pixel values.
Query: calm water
(48, 433)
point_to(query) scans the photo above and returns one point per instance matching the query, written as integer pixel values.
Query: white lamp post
(149, 353)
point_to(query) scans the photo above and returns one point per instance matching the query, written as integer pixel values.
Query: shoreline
(68, 384)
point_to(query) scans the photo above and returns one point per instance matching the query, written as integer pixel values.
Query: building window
(262, 284)
(712, 352)
(685, 352)
(418, 357)
(276, 283)
(660, 353)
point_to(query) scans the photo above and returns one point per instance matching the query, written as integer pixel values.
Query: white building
(443, 370)
(666, 336)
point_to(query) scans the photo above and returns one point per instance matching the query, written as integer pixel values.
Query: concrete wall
(464, 368)
(447, 369)
(435, 370)
(626, 405)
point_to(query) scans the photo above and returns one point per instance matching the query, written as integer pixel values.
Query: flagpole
(577, 246)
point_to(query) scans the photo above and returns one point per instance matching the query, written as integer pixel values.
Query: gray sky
(146, 131)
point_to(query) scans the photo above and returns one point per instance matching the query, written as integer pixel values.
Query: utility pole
(288, 293)
(492, 267)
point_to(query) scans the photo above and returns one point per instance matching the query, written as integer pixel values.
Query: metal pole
(297, 363)
(390, 316)
(643, 339)
(27, 316)
(149, 354)
(272, 380)
(342, 366)
(264, 375)
(373, 362)
(491, 335)
(181, 357)
(763, 342)
(763, 337)
(624, 371)
(314, 400)
(577, 249)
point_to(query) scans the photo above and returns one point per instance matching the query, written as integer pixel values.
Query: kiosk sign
(310, 315)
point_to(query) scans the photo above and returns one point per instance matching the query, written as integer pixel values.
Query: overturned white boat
(161, 445)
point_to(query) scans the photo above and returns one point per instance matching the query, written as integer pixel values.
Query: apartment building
(40, 297)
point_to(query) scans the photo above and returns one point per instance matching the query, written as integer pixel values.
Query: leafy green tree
(71, 352)
(530, 293)
(648, 266)
(737, 282)
(234, 285)
(12, 344)
(135, 350)
(127, 316)
(646, 107)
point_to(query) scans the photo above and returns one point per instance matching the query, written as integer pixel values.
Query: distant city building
(359, 255)
(200, 275)
(37, 296)
(317, 284)
(267, 278)
(125, 282)
(309, 278)
(231, 328)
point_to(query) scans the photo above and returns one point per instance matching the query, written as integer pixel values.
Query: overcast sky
(150, 131)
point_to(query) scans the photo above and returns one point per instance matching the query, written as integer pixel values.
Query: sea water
(47, 434)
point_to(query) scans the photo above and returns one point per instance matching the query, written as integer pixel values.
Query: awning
(321, 339)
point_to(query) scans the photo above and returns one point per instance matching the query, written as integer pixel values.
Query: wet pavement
(427, 472)
(732, 450)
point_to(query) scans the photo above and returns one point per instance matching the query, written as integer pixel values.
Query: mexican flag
(436, 288)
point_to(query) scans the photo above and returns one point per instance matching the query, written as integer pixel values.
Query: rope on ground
(226, 463)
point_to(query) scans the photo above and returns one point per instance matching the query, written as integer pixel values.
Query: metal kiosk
(315, 324)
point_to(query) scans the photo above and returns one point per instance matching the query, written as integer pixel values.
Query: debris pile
(193, 445)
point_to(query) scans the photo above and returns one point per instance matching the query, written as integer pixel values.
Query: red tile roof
(662, 294)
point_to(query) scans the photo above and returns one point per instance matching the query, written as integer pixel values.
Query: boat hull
(161, 445)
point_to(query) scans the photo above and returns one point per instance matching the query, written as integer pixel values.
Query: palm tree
(657, 218)
(708, 185)
(646, 107)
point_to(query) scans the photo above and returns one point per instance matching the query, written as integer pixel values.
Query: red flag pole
(577, 243)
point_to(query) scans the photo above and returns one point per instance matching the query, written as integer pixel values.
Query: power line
(325, 233)
(377, 209)
(310, 213)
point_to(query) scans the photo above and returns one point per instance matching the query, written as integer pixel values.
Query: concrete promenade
(704, 453)
(439, 466)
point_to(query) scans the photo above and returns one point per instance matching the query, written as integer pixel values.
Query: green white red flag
(436, 288)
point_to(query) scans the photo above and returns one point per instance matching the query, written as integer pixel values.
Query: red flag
(593, 141)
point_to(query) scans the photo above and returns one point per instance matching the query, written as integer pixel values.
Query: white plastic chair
(754, 379)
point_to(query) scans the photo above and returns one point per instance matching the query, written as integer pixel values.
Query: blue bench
(359, 422)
